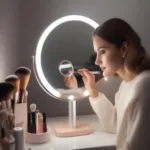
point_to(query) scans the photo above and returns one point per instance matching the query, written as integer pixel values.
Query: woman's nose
(98, 61)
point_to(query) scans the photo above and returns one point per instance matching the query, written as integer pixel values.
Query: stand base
(63, 130)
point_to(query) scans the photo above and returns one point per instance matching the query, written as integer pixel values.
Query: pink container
(21, 115)
(38, 138)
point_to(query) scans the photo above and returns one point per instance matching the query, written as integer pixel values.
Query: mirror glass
(71, 41)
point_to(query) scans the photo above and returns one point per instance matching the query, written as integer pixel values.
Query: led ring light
(38, 66)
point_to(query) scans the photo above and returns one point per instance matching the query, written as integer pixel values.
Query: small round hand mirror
(66, 69)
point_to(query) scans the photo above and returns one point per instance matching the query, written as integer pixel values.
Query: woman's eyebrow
(100, 47)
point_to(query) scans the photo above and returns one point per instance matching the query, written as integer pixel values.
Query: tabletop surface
(92, 141)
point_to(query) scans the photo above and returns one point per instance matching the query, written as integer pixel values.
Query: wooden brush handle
(21, 95)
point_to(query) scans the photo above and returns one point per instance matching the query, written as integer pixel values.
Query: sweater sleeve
(139, 135)
(105, 111)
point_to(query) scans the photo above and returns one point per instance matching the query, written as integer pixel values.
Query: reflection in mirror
(72, 76)
(68, 41)
(66, 69)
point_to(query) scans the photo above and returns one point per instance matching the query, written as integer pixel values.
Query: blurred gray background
(23, 21)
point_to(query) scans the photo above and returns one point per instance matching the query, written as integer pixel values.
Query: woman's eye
(102, 51)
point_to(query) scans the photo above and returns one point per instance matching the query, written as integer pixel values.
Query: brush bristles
(23, 70)
(33, 107)
(14, 80)
(5, 90)
(11, 78)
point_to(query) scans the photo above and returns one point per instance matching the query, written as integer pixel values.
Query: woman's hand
(71, 82)
(89, 82)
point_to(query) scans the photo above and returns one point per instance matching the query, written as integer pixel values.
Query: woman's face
(109, 57)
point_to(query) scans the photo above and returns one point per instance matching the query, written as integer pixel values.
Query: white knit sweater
(129, 118)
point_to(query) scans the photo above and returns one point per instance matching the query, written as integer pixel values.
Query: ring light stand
(73, 128)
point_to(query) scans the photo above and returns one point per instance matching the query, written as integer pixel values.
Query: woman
(119, 52)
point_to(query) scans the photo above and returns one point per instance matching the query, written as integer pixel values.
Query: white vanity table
(97, 139)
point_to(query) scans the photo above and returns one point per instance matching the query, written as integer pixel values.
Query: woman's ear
(124, 49)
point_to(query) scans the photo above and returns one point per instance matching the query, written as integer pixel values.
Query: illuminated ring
(40, 44)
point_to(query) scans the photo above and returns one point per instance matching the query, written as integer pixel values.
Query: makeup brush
(44, 122)
(24, 74)
(8, 143)
(6, 91)
(3, 133)
(33, 107)
(3, 113)
(2, 129)
(33, 115)
(29, 123)
(15, 81)
(4, 138)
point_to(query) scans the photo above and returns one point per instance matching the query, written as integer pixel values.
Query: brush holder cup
(38, 138)
(21, 115)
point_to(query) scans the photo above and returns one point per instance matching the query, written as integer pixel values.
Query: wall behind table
(9, 37)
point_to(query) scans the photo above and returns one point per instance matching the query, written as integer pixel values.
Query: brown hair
(118, 31)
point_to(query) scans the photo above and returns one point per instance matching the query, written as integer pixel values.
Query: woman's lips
(103, 68)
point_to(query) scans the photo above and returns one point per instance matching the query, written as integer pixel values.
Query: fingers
(88, 74)
(68, 78)
(85, 73)
(70, 82)
(82, 69)
(84, 79)
(67, 81)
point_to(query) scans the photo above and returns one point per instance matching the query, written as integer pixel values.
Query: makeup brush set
(14, 127)
(37, 130)
(10, 137)
(19, 99)
(13, 109)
